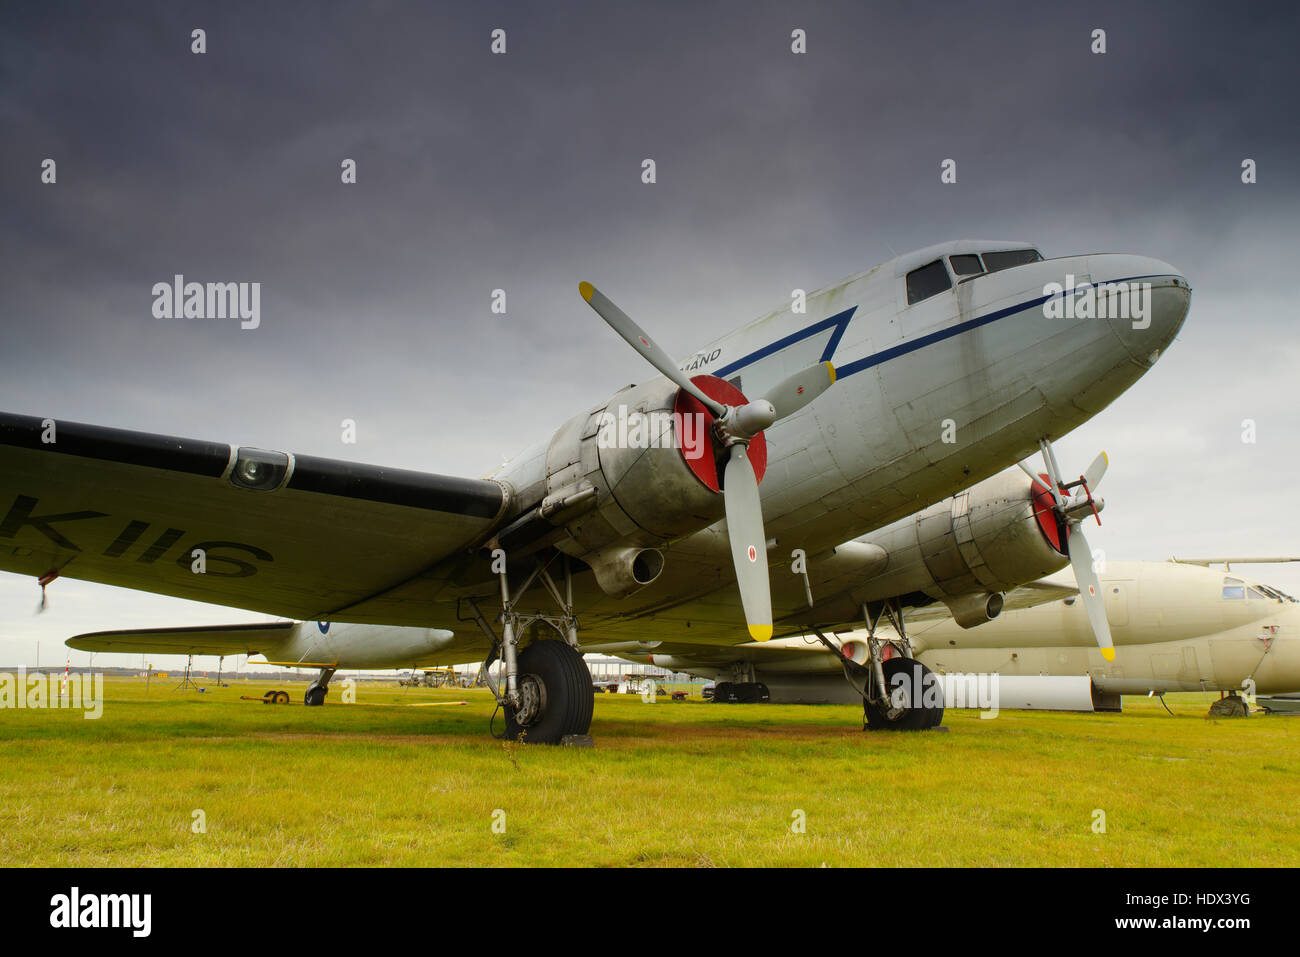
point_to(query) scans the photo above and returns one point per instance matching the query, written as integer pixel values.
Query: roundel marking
(753, 553)
(324, 627)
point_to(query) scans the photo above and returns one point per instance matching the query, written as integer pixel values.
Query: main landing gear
(1231, 705)
(740, 692)
(318, 689)
(898, 692)
(546, 691)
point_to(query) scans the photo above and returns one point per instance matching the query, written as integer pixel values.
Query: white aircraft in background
(323, 645)
(1177, 626)
(890, 390)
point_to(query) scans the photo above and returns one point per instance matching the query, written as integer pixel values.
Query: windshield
(1010, 257)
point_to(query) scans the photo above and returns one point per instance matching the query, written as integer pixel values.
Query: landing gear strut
(898, 692)
(547, 694)
(318, 689)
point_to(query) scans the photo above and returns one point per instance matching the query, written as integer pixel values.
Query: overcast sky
(522, 172)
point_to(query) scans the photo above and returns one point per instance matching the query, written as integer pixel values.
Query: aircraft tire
(314, 697)
(918, 716)
(570, 697)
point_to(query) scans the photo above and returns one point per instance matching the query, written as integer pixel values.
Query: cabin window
(1010, 257)
(967, 265)
(927, 281)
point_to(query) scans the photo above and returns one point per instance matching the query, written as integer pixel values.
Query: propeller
(733, 428)
(1074, 502)
(636, 337)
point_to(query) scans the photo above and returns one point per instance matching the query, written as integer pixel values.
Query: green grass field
(387, 781)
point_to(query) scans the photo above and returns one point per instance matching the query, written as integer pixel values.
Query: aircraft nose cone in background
(1158, 298)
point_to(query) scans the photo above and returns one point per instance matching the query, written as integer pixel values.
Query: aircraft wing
(1022, 596)
(1036, 593)
(130, 509)
(767, 654)
(763, 654)
(251, 639)
(1229, 560)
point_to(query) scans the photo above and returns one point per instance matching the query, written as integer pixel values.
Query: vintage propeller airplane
(894, 388)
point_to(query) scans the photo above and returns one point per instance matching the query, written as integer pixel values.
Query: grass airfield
(399, 778)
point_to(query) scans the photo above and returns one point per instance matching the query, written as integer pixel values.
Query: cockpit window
(1275, 593)
(929, 280)
(1234, 588)
(1010, 257)
(1255, 593)
(966, 265)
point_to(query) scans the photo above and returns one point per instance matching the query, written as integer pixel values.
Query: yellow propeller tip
(760, 632)
(1108, 654)
(586, 289)
(831, 369)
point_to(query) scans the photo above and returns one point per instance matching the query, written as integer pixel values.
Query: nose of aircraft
(1158, 298)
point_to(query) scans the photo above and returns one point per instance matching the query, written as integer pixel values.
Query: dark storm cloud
(477, 172)
(521, 172)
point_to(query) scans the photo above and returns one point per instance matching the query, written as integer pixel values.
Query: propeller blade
(1095, 471)
(1090, 590)
(748, 542)
(794, 393)
(636, 337)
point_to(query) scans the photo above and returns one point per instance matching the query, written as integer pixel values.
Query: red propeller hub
(707, 466)
(1049, 520)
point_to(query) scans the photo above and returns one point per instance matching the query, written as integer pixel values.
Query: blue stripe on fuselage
(841, 322)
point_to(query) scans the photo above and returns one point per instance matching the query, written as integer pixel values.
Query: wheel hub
(532, 700)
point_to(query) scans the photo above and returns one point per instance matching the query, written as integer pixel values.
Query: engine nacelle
(966, 550)
(628, 476)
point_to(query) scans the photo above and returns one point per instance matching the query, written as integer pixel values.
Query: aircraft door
(1116, 594)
